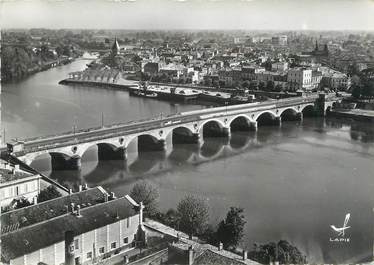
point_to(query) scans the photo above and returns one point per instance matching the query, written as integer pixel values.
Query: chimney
(112, 196)
(35, 200)
(106, 197)
(220, 246)
(16, 167)
(70, 191)
(141, 213)
(190, 255)
(80, 188)
(78, 210)
(69, 248)
(245, 255)
(72, 207)
(85, 187)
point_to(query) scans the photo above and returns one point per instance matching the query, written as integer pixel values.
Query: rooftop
(41, 235)
(50, 209)
(9, 174)
(204, 253)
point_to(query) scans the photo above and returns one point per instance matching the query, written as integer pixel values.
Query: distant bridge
(66, 150)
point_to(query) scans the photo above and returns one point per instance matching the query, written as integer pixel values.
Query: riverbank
(166, 92)
(355, 114)
(40, 68)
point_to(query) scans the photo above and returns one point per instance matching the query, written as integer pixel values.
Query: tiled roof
(49, 209)
(214, 254)
(8, 175)
(41, 235)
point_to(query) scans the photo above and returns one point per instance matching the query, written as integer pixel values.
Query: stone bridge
(66, 150)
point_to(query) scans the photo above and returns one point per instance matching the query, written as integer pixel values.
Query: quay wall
(364, 116)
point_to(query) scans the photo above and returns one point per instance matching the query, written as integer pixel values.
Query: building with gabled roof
(16, 183)
(84, 227)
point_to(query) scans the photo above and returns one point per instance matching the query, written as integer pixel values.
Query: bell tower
(115, 47)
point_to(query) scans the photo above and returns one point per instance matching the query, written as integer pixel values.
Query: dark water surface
(293, 182)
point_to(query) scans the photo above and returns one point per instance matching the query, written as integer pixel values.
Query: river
(293, 182)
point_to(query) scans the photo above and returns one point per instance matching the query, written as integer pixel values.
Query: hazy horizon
(250, 15)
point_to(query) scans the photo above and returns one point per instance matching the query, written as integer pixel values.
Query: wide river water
(293, 182)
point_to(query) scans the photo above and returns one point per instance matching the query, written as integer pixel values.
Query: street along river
(293, 181)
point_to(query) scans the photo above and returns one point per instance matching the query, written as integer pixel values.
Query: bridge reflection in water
(155, 163)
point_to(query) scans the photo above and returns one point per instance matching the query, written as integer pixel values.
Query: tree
(368, 88)
(278, 88)
(270, 86)
(48, 194)
(261, 86)
(282, 251)
(194, 214)
(22, 202)
(231, 230)
(170, 218)
(356, 91)
(144, 191)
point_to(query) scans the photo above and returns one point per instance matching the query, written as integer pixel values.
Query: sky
(189, 14)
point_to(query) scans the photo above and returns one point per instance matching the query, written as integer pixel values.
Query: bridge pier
(278, 121)
(106, 152)
(226, 131)
(300, 116)
(62, 162)
(253, 125)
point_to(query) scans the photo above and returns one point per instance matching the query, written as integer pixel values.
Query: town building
(172, 70)
(316, 79)
(279, 40)
(80, 228)
(16, 183)
(299, 79)
(279, 66)
(151, 68)
(337, 81)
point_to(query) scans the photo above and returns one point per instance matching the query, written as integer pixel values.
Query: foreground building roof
(50, 231)
(50, 209)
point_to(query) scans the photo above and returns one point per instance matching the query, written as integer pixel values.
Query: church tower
(115, 47)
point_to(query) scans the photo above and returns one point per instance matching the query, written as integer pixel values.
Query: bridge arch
(289, 114)
(182, 135)
(148, 142)
(240, 123)
(266, 118)
(308, 110)
(107, 150)
(213, 128)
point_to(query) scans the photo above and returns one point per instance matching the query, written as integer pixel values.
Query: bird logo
(341, 230)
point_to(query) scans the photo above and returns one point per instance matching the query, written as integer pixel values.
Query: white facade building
(16, 184)
(299, 79)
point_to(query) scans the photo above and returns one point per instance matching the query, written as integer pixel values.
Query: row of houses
(289, 79)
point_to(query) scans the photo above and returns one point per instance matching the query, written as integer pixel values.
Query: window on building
(89, 255)
(126, 240)
(76, 243)
(101, 250)
(128, 222)
(17, 190)
(113, 245)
